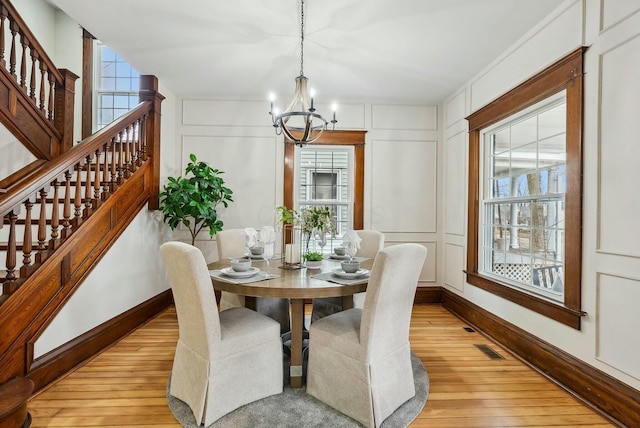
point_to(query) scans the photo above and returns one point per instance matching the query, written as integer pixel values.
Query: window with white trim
(523, 198)
(116, 86)
(324, 177)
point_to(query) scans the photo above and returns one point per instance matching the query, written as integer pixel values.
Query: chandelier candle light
(298, 125)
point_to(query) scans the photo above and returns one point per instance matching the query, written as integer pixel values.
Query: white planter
(313, 264)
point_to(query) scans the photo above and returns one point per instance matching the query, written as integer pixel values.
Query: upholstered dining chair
(371, 243)
(360, 359)
(232, 243)
(223, 360)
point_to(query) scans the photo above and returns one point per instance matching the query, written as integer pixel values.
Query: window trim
(564, 74)
(333, 138)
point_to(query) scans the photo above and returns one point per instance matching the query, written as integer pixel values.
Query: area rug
(294, 408)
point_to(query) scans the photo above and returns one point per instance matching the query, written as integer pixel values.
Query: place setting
(240, 271)
(349, 272)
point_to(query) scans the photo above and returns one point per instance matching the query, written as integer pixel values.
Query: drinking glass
(321, 239)
(267, 255)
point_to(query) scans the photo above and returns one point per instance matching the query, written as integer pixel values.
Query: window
(523, 190)
(525, 193)
(329, 172)
(116, 86)
(325, 177)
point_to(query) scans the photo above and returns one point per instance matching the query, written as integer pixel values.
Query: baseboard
(615, 400)
(426, 295)
(59, 361)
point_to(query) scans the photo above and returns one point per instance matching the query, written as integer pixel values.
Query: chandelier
(302, 126)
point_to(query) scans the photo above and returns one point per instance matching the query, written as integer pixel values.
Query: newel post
(149, 92)
(63, 108)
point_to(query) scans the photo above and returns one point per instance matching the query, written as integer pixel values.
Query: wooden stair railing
(37, 98)
(82, 200)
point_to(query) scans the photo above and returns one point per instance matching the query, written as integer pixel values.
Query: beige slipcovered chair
(371, 243)
(360, 359)
(232, 243)
(223, 360)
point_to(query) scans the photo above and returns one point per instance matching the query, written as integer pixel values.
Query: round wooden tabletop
(292, 283)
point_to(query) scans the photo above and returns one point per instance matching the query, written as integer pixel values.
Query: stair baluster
(9, 285)
(66, 210)
(41, 256)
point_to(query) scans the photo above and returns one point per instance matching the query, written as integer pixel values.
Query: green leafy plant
(193, 200)
(286, 216)
(313, 256)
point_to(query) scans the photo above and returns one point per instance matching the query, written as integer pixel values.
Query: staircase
(60, 215)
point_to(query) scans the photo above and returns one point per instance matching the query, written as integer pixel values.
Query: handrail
(19, 192)
(25, 65)
(80, 180)
(36, 57)
(22, 28)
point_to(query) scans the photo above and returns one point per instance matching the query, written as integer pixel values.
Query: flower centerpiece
(310, 222)
(317, 221)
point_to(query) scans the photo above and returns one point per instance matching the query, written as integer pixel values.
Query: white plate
(254, 257)
(342, 274)
(337, 257)
(233, 274)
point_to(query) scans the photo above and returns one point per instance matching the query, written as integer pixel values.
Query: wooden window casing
(333, 138)
(566, 74)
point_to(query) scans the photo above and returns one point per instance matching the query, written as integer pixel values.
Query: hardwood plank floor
(125, 385)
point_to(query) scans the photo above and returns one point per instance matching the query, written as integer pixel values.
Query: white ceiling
(402, 50)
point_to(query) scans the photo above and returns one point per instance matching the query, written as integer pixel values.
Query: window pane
(108, 69)
(524, 132)
(108, 83)
(121, 101)
(115, 75)
(526, 163)
(324, 179)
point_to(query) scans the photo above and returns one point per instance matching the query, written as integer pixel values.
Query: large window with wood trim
(526, 191)
(329, 172)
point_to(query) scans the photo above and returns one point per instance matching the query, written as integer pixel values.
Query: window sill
(553, 310)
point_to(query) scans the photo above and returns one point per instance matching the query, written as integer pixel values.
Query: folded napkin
(267, 234)
(351, 241)
(251, 237)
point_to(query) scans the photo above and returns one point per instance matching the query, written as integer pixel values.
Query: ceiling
(400, 51)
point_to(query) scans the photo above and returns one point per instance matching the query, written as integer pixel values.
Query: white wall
(608, 339)
(402, 154)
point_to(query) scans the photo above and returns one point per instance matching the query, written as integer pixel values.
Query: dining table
(298, 285)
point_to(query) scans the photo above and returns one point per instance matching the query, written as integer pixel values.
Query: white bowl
(240, 265)
(350, 267)
(340, 251)
(256, 251)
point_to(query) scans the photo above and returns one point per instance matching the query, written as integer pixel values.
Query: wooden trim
(43, 294)
(564, 74)
(87, 84)
(57, 362)
(333, 138)
(149, 92)
(606, 394)
(428, 295)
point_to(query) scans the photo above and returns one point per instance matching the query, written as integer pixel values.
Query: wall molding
(61, 360)
(610, 397)
(428, 294)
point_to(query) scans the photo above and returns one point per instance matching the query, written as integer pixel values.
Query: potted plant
(313, 259)
(193, 200)
(318, 221)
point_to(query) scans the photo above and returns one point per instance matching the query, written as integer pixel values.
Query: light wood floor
(125, 385)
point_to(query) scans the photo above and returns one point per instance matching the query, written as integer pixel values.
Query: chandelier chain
(302, 38)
